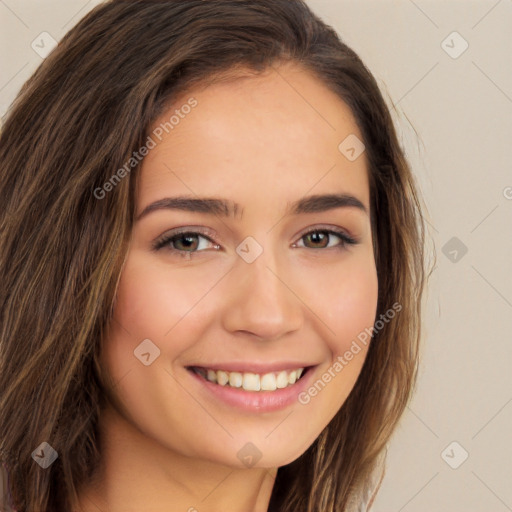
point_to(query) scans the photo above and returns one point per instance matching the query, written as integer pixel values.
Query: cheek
(347, 300)
(153, 301)
(145, 308)
(349, 305)
(357, 308)
(343, 297)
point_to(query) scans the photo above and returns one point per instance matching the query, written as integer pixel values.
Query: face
(251, 292)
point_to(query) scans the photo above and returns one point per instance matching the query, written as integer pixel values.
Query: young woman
(212, 265)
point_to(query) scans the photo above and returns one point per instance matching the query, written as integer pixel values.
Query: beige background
(461, 109)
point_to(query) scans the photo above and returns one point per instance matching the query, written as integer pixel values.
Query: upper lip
(253, 367)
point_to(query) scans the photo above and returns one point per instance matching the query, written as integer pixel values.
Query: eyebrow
(225, 208)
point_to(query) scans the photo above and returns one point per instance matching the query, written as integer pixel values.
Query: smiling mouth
(271, 381)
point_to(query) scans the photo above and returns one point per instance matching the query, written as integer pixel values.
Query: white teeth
(222, 378)
(268, 382)
(252, 381)
(235, 379)
(282, 380)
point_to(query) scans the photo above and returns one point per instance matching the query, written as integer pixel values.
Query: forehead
(275, 134)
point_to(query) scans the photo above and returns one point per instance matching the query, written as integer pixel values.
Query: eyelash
(164, 241)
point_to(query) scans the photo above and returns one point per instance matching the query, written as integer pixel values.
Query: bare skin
(264, 144)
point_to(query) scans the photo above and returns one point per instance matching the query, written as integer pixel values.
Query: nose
(261, 300)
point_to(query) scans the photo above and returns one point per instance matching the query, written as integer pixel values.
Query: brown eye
(184, 242)
(321, 238)
(188, 242)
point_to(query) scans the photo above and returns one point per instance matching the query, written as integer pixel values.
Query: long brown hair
(77, 120)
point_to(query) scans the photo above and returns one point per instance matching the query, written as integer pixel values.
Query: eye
(321, 239)
(184, 241)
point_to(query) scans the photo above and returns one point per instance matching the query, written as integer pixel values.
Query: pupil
(189, 240)
(317, 235)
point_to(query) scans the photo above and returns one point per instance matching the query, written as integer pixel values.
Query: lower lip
(256, 401)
